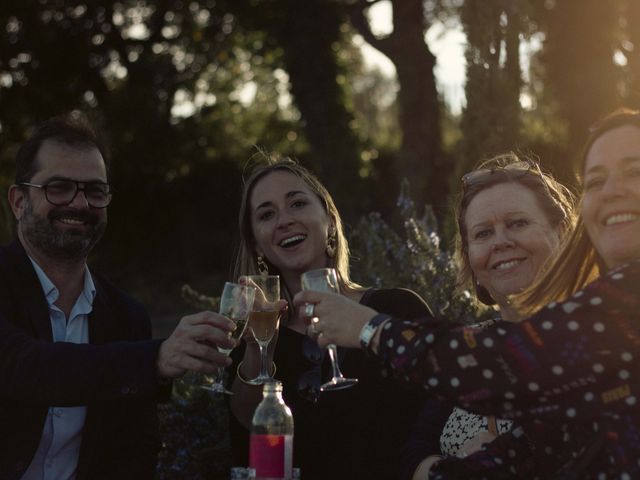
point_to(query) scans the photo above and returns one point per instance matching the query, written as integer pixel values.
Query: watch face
(366, 334)
(370, 328)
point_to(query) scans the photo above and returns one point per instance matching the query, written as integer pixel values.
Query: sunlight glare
(380, 17)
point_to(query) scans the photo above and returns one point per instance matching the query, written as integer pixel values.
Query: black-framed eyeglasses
(513, 170)
(62, 192)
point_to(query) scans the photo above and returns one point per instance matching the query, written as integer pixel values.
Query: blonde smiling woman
(289, 224)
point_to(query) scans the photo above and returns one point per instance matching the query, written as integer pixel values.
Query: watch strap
(369, 329)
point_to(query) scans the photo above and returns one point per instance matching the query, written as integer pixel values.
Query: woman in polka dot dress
(511, 218)
(574, 362)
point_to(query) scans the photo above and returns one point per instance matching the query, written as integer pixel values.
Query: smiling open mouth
(292, 241)
(71, 221)
(508, 264)
(620, 218)
(74, 218)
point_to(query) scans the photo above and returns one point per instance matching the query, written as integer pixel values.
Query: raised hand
(193, 345)
(336, 319)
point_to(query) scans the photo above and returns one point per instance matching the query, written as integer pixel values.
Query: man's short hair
(72, 129)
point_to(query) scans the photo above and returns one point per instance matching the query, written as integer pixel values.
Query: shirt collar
(52, 293)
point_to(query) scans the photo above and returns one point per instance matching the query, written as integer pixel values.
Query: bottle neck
(273, 395)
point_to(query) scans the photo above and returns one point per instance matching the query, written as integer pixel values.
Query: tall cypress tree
(491, 119)
(581, 77)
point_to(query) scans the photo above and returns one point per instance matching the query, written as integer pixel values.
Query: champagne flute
(264, 319)
(236, 302)
(326, 280)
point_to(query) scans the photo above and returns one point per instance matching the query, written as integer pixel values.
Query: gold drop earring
(263, 268)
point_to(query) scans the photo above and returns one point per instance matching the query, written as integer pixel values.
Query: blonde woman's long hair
(246, 257)
(577, 263)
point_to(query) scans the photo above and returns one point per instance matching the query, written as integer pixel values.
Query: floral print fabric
(573, 365)
(462, 427)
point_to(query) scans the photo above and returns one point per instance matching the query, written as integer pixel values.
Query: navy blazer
(116, 380)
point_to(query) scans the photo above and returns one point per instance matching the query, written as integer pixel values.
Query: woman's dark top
(573, 365)
(355, 433)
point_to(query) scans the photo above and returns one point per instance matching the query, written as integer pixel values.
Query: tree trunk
(578, 54)
(491, 120)
(308, 35)
(421, 158)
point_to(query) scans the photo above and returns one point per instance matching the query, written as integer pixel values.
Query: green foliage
(193, 429)
(491, 120)
(170, 83)
(414, 260)
(194, 424)
(310, 38)
(198, 300)
(581, 78)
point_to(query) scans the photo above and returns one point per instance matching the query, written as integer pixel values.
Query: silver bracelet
(369, 330)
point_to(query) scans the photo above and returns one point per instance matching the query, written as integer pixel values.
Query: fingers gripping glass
(62, 192)
(264, 319)
(236, 302)
(326, 280)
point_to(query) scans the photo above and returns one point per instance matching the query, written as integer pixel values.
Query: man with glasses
(79, 373)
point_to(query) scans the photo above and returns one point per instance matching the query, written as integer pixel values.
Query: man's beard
(68, 244)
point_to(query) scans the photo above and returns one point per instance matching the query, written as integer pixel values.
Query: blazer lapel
(102, 324)
(102, 329)
(29, 292)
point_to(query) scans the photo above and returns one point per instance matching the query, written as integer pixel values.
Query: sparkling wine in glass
(264, 318)
(236, 302)
(326, 280)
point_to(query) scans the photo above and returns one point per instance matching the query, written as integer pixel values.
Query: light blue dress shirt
(59, 449)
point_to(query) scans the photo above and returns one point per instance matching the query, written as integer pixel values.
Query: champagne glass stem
(218, 380)
(333, 355)
(326, 280)
(264, 368)
(217, 386)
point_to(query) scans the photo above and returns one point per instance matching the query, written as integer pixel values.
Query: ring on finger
(315, 321)
(308, 309)
(312, 331)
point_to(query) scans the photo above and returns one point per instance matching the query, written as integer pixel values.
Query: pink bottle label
(271, 455)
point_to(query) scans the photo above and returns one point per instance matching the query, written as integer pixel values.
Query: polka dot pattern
(571, 366)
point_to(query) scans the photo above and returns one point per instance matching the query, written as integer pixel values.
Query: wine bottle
(271, 445)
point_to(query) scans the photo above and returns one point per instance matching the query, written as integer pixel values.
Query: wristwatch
(369, 329)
